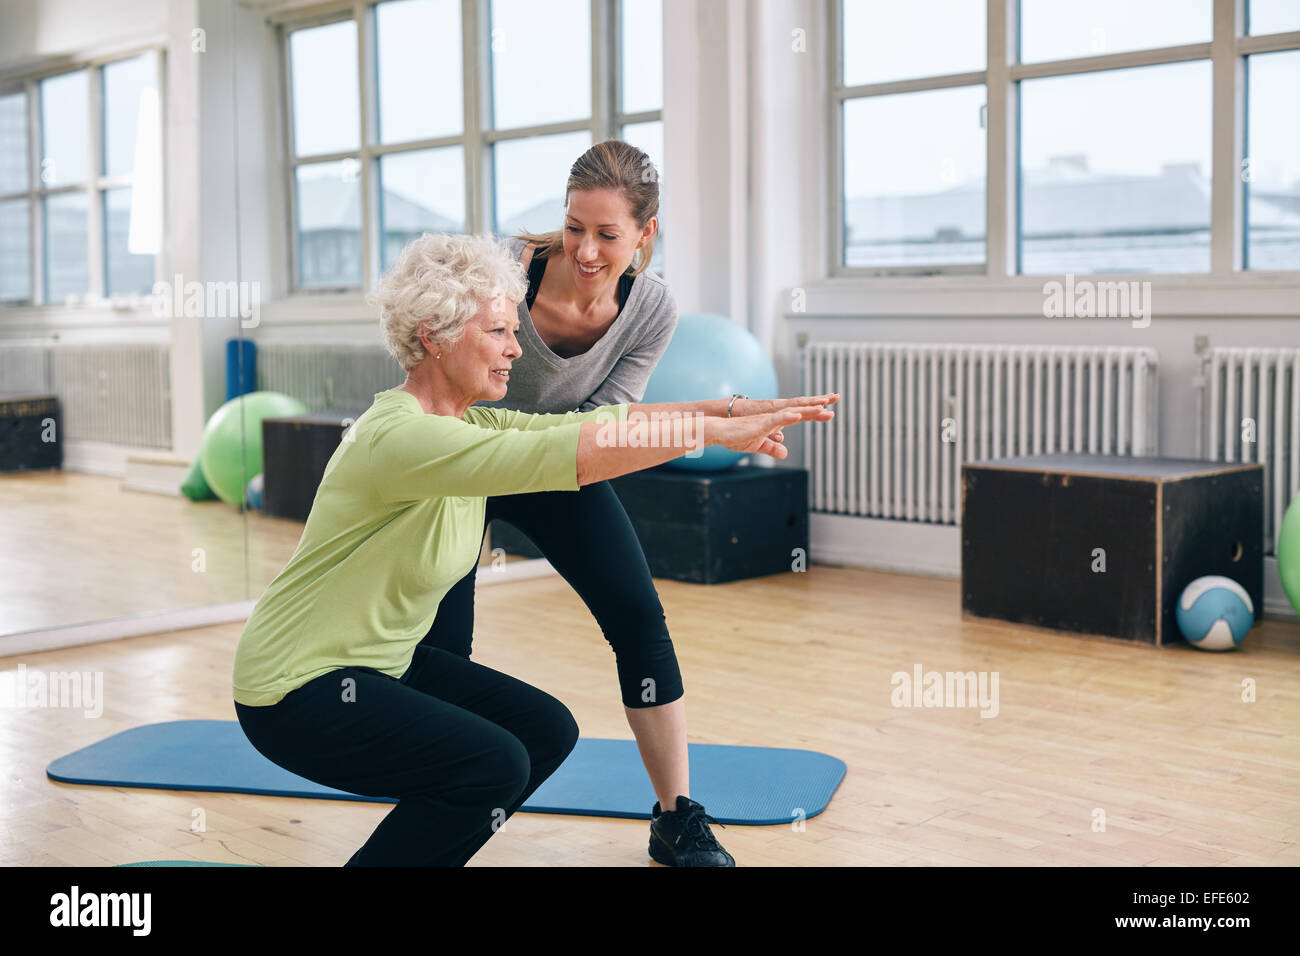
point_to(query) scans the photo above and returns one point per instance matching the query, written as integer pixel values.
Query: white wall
(36, 33)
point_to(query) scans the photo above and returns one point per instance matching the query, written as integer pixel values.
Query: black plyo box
(708, 527)
(25, 421)
(1032, 527)
(295, 451)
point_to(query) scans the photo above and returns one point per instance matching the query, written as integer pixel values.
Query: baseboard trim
(906, 547)
(513, 571)
(95, 632)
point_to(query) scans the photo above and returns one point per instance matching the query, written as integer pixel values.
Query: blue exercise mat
(184, 863)
(601, 778)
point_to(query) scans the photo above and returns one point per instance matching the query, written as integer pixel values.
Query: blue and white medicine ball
(253, 494)
(1214, 613)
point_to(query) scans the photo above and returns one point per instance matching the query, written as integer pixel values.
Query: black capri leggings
(460, 745)
(588, 538)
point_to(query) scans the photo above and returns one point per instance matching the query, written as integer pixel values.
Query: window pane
(67, 256)
(124, 272)
(901, 41)
(420, 192)
(650, 138)
(914, 178)
(13, 143)
(1115, 171)
(642, 54)
(329, 224)
(124, 86)
(326, 107)
(63, 129)
(417, 51)
(15, 251)
(1273, 16)
(530, 176)
(541, 62)
(1273, 149)
(1052, 30)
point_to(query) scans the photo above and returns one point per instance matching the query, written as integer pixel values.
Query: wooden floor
(77, 548)
(1185, 772)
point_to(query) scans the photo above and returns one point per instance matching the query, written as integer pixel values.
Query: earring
(439, 355)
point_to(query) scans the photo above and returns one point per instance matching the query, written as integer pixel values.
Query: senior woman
(331, 680)
(593, 324)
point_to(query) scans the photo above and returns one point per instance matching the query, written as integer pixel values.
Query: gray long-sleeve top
(613, 371)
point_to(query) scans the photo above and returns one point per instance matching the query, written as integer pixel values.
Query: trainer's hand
(762, 434)
(761, 406)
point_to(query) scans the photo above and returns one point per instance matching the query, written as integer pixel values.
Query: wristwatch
(733, 402)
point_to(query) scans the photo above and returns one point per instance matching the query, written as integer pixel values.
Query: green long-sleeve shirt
(397, 520)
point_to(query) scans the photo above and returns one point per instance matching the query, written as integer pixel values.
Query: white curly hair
(440, 282)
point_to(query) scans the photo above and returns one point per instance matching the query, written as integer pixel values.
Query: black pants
(587, 537)
(460, 745)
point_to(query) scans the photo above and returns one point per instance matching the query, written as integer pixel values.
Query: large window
(81, 184)
(392, 133)
(911, 122)
(1039, 137)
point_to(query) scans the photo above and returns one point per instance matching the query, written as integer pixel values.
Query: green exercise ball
(1288, 553)
(231, 449)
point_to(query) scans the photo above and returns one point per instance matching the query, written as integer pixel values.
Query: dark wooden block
(707, 527)
(25, 422)
(295, 451)
(1030, 526)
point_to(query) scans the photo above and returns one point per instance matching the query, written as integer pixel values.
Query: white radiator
(119, 394)
(328, 377)
(910, 414)
(1250, 412)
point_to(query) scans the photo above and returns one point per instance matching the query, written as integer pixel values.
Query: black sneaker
(682, 837)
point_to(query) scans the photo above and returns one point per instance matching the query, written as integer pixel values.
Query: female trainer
(331, 678)
(593, 325)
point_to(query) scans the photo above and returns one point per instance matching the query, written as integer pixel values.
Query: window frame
(1227, 50)
(95, 185)
(476, 139)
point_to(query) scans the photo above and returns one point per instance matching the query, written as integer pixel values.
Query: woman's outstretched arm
(654, 434)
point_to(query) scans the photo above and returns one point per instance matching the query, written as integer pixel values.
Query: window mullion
(290, 169)
(1227, 135)
(96, 245)
(162, 259)
(475, 28)
(835, 155)
(604, 69)
(1001, 165)
(370, 239)
(36, 207)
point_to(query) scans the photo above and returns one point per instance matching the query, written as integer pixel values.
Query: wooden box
(31, 432)
(1104, 545)
(708, 527)
(295, 451)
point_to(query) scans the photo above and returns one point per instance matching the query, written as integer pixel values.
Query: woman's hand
(762, 406)
(762, 434)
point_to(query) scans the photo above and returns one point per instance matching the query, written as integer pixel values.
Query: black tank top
(538, 266)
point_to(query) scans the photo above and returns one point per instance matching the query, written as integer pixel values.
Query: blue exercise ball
(1214, 613)
(254, 496)
(710, 357)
